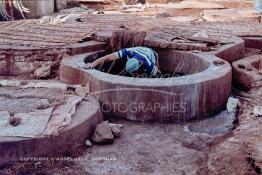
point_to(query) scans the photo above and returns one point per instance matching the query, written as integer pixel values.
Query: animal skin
(7, 8)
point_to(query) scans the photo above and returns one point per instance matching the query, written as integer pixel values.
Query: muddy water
(218, 124)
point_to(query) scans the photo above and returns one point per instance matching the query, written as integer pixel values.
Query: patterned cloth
(146, 56)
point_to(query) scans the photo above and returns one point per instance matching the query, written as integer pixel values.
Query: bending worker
(138, 61)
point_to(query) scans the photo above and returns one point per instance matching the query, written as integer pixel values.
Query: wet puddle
(218, 124)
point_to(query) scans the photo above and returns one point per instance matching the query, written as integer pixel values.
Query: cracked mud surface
(20, 100)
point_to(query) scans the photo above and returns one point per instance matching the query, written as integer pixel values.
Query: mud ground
(150, 148)
(142, 149)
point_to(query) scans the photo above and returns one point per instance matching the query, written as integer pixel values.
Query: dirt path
(151, 148)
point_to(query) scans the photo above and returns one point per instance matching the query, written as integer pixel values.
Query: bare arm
(104, 59)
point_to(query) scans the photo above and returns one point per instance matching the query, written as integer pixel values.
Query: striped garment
(144, 55)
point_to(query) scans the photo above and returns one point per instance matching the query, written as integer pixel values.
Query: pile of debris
(105, 133)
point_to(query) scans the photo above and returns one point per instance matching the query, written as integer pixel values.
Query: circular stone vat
(84, 121)
(179, 65)
(177, 99)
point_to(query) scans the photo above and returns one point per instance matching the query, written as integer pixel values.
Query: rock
(68, 18)
(24, 82)
(115, 125)
(202, 34)
(241, 66)
(88, 143)
(219, 62)
(42, 104)
(130, 2)
(100, 12)
(249, 68)
(162, 15)
(116, 132)
(232, 104)
(257, 111)
(132, 8)
(71, 88)
(14, 121)
(42, 72)
(116, 129)
(79, 90)
(103, 133)
(82, 91)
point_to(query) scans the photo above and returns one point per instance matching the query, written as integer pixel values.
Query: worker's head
(132, 65)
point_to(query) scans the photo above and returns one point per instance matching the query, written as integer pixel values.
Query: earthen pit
(179, 65)
(176, 99)
(246, 73)
(84, 121)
